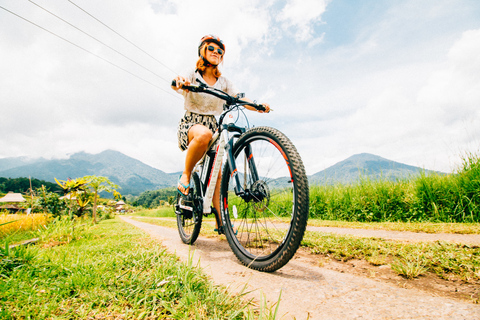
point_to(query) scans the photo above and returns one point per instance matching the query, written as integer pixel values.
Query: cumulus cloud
(453, 93)
(301, 15)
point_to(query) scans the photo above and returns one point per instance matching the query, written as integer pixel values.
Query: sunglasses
(212, 48)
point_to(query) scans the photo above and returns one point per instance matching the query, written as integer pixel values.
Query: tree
(99, 184)
(50, 202)
(72, 188)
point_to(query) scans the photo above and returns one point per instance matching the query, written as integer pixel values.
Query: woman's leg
(198, 138)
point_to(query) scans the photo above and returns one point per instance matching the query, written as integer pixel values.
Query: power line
(81, 48)
(133, 44)
(138, 64)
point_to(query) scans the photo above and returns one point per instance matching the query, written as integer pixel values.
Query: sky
(398, 79)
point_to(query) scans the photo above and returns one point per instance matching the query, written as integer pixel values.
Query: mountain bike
(264, 193)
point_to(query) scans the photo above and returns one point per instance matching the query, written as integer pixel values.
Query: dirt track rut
(309, 291)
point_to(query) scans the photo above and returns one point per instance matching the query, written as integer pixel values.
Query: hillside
(367, 166)
(130, 174)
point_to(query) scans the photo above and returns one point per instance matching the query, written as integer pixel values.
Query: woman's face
(213, 56)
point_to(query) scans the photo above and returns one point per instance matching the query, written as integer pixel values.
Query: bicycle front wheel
(189, 212)
(265, 224)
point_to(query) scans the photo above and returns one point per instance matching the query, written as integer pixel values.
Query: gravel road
(309, 291)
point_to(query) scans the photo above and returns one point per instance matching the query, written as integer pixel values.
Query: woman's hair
(201, 62)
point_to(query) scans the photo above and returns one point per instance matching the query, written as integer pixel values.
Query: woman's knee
(201, 134)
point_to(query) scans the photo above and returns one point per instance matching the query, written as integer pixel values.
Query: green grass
(158, 213)
(109, 270)
(449, 261)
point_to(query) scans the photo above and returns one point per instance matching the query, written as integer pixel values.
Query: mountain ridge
(365, 165)
(135, 177)
(132, 175)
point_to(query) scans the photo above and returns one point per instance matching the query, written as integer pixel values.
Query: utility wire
(133, 44)
(101, 42)
(81, 48)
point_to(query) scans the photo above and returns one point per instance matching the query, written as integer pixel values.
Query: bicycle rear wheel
(189, 212)
(271, 216)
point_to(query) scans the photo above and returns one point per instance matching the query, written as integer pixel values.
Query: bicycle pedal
(185, 207)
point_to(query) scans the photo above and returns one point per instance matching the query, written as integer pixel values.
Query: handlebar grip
(260, 107)
(174, 83)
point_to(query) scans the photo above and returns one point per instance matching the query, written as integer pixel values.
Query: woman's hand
(180, 82)
(266, 106)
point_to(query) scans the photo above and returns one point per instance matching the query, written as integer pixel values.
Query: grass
(449, 261)
(427, 227)
(161, 212)
(111, 270)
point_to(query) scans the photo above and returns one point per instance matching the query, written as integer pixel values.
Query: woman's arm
(267, 106)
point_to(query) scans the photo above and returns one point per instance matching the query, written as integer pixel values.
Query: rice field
(11, 223)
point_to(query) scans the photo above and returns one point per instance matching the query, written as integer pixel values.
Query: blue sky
(399, 79)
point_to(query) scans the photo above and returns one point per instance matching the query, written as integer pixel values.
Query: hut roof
(13, 197)
(119, 203)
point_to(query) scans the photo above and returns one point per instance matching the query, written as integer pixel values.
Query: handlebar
(230, 100)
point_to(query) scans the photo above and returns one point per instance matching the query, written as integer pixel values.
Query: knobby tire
(268, 225)
(190, 223)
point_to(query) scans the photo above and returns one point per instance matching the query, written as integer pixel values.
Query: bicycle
(264, 191)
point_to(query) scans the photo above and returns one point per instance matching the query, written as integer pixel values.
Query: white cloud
(453, 93)
(302, 16)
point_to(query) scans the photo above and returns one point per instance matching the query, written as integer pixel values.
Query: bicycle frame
(211, 170)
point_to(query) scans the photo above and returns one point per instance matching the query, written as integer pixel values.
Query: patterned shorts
(190, 119)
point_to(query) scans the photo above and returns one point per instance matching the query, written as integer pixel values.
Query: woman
(196, 128)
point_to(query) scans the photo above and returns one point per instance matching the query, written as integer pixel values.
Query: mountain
(364, 165)
(9, 163)
(135, 177)
(130, 174)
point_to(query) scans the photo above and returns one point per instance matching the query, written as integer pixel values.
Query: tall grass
(433, 198)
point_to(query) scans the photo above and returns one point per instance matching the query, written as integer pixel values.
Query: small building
(12, 198)
(120, 206)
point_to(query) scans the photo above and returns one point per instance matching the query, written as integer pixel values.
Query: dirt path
(312, 292)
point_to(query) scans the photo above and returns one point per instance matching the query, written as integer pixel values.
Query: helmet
(211, 38)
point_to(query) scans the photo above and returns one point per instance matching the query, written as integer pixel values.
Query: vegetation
(22, 185)
(100, 184)
(154, 199)
(13, 223)
(432, 198)
(84, 190)
(110, 270)
(161, 212)
(449, 261)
